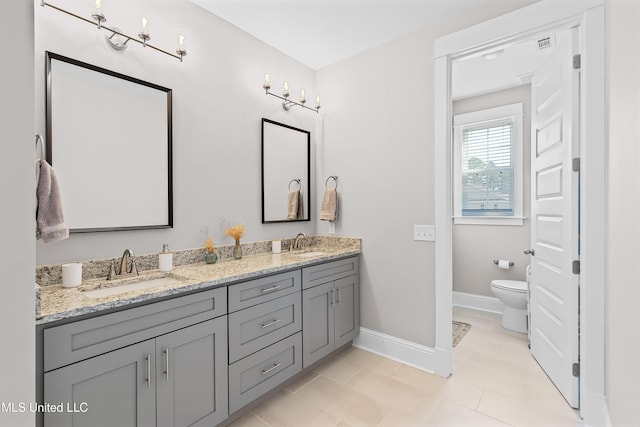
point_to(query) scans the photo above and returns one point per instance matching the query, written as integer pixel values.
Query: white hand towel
(329, 211)
(50, 225)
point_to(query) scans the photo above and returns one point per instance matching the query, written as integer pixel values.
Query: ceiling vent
(546, 42)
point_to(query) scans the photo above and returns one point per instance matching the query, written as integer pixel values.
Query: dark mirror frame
(306, 191)
(164, 221)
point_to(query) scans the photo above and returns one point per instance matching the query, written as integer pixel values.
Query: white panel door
(554, 225)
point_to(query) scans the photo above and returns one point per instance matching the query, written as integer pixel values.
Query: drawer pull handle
(273, 322)
(166, 363)
(275, 366)
(271, 289)
(148, 379)
(337, 295)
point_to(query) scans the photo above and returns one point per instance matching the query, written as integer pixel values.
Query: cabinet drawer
(322, 273)
(257, 291)
(255, 375)
(80, 340)
(259, 326)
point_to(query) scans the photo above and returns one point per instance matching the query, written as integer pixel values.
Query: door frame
(590, 16)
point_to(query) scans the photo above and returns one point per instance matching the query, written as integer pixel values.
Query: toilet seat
(511, 285)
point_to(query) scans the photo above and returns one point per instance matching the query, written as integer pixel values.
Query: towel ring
(42, 147)
(334, 178)
(297, 181)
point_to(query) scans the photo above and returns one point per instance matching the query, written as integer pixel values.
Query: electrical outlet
(424, 233)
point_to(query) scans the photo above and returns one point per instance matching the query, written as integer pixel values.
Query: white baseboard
(403, 351)
(477, 302)
(594, 410)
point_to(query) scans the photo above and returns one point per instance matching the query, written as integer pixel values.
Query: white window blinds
(488, 169)
(488, 166)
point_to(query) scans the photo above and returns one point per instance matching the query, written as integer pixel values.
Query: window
(488, 166)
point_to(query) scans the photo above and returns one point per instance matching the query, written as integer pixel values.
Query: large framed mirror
(109, 140)
(286, 173)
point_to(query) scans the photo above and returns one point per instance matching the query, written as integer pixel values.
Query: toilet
(514, 294)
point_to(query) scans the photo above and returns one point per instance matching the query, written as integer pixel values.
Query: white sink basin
(135, 286)
(310, 254)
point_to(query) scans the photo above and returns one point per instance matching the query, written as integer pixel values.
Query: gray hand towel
(50, 225)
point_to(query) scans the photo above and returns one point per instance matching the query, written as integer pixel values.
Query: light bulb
(97, 14)
(144, 34)
(181, 50)
(267, 83)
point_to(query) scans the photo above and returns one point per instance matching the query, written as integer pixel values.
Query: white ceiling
(514, 66)
(319, 33)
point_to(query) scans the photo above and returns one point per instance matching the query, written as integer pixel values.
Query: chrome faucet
(297, 242)
(127, 266)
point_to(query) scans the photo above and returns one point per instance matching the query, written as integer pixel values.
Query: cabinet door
(192, 375)
(317, 323)
(347, 309)
(114, 389)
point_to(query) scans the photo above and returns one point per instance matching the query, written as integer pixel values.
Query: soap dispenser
(165, 258)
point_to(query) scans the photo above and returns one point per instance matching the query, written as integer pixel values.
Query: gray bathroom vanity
(200, 357)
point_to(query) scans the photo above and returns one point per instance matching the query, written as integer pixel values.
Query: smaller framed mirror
(286, 172)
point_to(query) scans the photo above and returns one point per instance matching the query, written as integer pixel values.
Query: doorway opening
(487, 172)
(509, 29)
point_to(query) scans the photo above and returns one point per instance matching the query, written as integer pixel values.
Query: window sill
(488, 220)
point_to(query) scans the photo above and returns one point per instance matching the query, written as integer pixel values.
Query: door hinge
(575, 265)
(575, 370)
(576, 164)
(577, 61)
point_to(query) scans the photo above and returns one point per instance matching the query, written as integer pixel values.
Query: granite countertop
(57, 302)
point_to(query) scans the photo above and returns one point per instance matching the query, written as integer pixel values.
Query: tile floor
(495, 382)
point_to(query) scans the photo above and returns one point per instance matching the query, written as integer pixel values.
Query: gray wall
(378, 138)
(17, 228)
(476, 246)
(218, 102)
(623, 233)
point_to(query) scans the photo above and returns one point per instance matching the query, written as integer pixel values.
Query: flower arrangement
(237, 231)
(210, 257)
(208, 245)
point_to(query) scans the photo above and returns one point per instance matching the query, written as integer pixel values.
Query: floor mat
(459, 330)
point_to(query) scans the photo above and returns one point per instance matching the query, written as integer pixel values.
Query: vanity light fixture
(286, 102)
(118, 40)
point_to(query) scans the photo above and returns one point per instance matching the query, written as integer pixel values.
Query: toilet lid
(511, 285)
